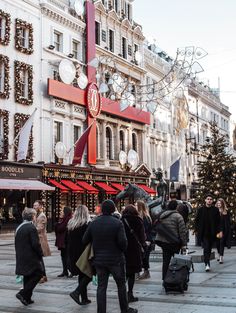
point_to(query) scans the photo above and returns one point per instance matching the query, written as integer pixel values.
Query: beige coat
(41, 225)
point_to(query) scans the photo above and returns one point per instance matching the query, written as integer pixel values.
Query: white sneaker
(207, 269)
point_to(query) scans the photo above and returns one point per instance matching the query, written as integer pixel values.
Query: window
(108, 144)
(111, 40)
(2, 77)
(97, 33)
(116, 5)
(122, 141)
(77, 133)
(130, 50)
(2, 27)
(57, 40)
(75, 49)
(124, 48)
(128, 13)
(134, 142)
(24, 37)
(24, 84)
(104, 35)
(57, 131)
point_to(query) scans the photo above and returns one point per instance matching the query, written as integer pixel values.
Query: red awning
(107, 188)
(58, 185)
(118, 186)
(87, 187)
(72, 186)
(147, 189)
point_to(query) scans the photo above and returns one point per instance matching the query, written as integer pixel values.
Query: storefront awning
(58, 185)
(23, 184)
(106, 188)
(72, 186)
(87, 187)
(147, 189)
(118, 186)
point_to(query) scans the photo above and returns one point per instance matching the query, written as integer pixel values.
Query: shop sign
(11, 171)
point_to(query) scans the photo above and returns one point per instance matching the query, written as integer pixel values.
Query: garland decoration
(4, 61)
(5, 116)
(19, 45)
(6, 38)
(19, 121)
(21, 67)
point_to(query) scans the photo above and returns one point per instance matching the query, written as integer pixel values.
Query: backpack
(177, 276)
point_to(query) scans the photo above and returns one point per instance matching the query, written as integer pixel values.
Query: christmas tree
(216, 172)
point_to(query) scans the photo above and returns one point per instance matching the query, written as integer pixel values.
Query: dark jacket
(210, 229)
(61, 232)
(28, 250)
(75, 247)
(133, 254)
(108, 238)
(175, 223)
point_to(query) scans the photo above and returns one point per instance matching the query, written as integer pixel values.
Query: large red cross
(78, 96)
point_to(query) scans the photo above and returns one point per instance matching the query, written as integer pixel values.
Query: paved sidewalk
(213, 292)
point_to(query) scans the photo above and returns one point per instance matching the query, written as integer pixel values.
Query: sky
(209, 24)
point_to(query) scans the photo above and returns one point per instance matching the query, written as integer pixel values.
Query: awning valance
(87, 187)
(118, 186)
(58, 185)
(106, 188)
(147, 189)
(23, 184)
(72, 186)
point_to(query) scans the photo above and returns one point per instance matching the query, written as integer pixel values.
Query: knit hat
(108, 207)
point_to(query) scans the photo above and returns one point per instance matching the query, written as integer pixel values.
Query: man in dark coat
(107, 235)
(207, 226)
(28, 255)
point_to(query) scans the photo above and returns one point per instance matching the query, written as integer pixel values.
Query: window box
(23, 83)
(24, 37)
(5, 27)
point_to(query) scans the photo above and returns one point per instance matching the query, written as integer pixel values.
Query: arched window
(122, 141)
(134, 142)
(108, 144)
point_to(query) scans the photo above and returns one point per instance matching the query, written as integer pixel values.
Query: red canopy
(58, 185)
(72, 186)
(87, 187)
(147, 189)
(107, 188)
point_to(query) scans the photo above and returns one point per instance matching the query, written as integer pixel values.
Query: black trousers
(147, 252)
(118, 273)
(220, 245)
(207, 244)
(83, 281)
(168, 250)
(64, 261)
(29, 283)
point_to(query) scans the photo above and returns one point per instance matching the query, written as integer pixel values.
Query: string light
(5, 116)
(4, 40)
(20, 68)
(20, 120)
(4, 62)
(20, 26)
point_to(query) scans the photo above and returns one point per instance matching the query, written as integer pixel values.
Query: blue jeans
(118, 273)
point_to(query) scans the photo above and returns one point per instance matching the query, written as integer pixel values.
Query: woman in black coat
(225, 241)
(76, 229)
(135, 233)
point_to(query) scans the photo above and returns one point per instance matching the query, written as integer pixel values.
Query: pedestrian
(41, 225)
(225, 240)
(147, 223)
(29, 255)
(174, 224)
(77, 226)
(207, 228)
(107, 235)
(135, 234)
(61, 238)
(183, 210)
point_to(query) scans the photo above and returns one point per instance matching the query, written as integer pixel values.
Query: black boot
(131, 297)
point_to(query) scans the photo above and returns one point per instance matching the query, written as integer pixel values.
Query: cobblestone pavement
(208, 292)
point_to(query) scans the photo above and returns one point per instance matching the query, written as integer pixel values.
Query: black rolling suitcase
(177, 276)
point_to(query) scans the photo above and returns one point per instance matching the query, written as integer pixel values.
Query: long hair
(142, 209)
(223, 208)
(80, 217)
